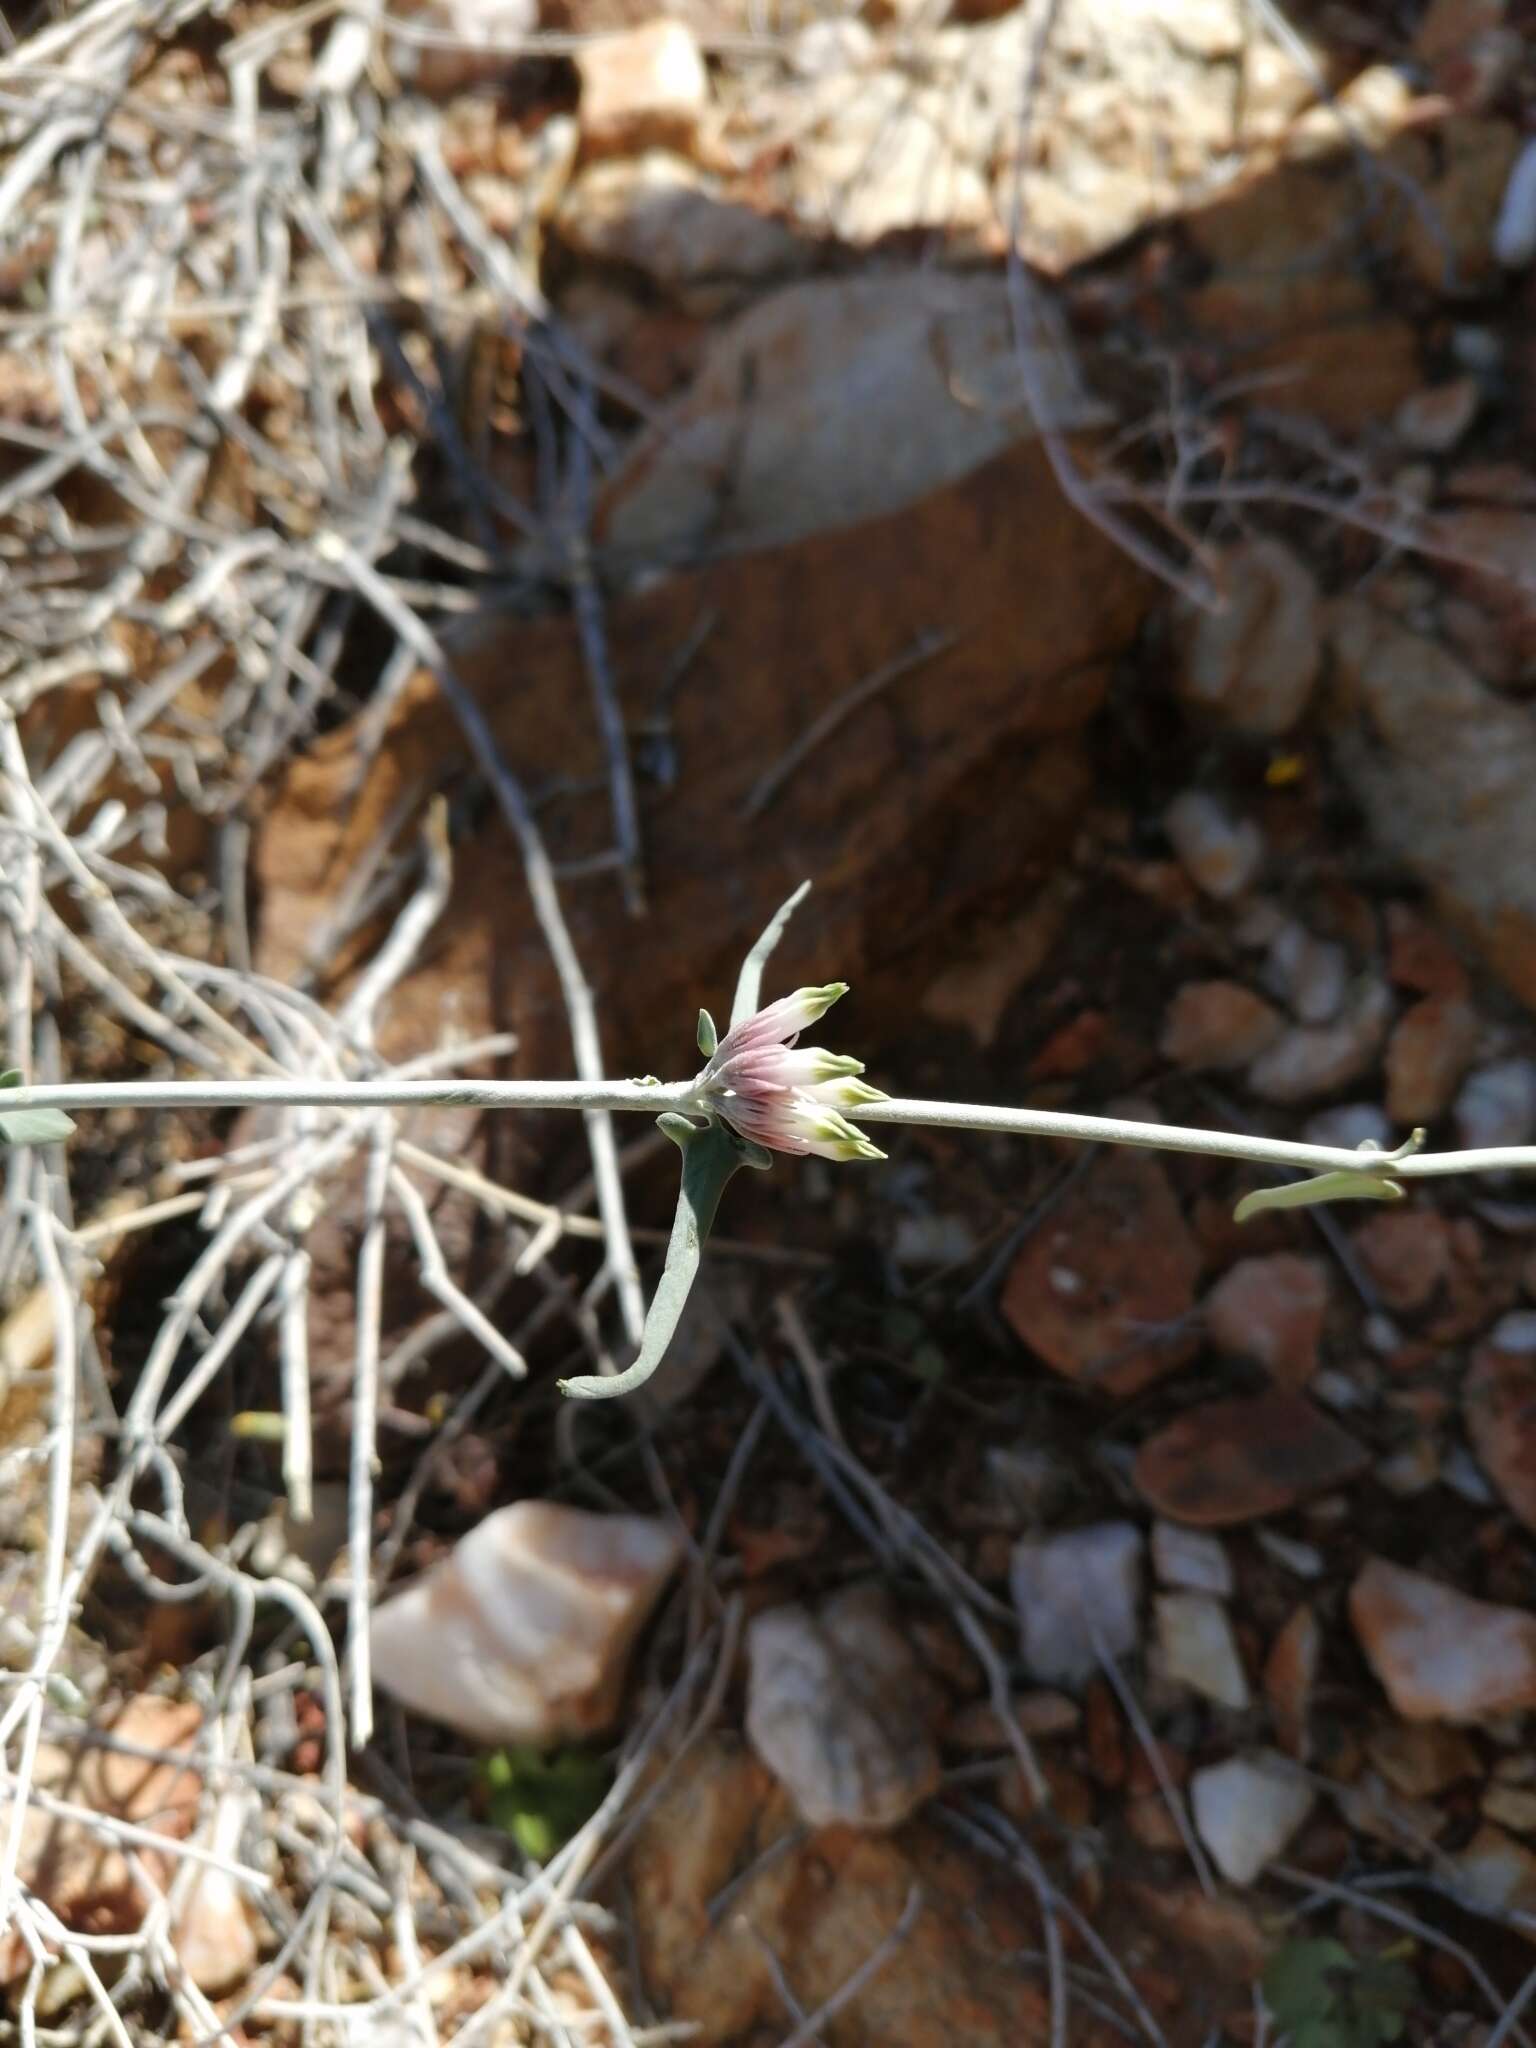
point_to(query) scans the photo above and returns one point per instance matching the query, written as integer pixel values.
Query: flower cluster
(787, 1099)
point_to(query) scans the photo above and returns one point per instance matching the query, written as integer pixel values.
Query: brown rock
(1420, 956)
(1217, 1024)
(1103, 1289)
(1315, 323)
(953, 769)
(1443, 767)
(1069, 1797)
(1219, 1933)
(1462, 173)
(84, 1878)
(1290, 1676)
(1512, 1806)
(1271, 1309)
(1430, 1049)
(822, 1905)
(1254, 662)
(1441, 1655)
(1228, 1462)
(1406, 1826)
(467, 54)
(1422, 1759)
(978, 1726)
(1150, 1822)
(1499, 1405)
(1467, 47)
(975, 988)
(1434, 420)
(645, 88)
(1406, 1253)
(1490, 547)
(1103, 1735)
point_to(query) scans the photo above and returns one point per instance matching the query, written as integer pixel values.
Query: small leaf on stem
(1323, 1187)
(31, 1126)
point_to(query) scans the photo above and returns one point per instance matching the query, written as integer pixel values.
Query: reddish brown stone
(1420, 957)
(1217, 1024)
(1103, 1290)
(1272, 1310)
(1290, 1673)
(1406, 1253)
(1431, 1047)
(1076, 1045)
(1236, 1461)
(1499, 1403)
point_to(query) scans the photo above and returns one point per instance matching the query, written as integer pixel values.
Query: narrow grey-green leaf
(30, 1126)
(710, 1156)
(1324, 1187)
(749, 985)
(34, 1126)
(709, 1037)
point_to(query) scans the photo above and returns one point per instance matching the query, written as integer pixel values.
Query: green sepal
(709, 1037)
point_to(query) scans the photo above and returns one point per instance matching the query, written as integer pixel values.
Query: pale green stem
(654, 1096)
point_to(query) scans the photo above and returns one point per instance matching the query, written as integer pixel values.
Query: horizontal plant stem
(360, 1095)
(653, 1096)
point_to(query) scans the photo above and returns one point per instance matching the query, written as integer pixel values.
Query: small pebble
(1309, 974)
(1434, 420)
(1191, 1559)
(1350, 1125)
(1514, 232)
(1196, 1647)
(1247, 1810)
(1497, 1105)
(1516, 1331)
(1316, 1059)
(1078, 1597)
(1220, 853)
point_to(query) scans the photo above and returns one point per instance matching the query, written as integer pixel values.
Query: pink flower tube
(786, 1098)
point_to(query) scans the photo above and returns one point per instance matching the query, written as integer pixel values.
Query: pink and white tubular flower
(788, 1099)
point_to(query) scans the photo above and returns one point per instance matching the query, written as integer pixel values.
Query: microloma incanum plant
(758, 1093)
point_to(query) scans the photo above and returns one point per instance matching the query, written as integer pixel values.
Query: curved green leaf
(711, 1155)
(1323, 1187)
